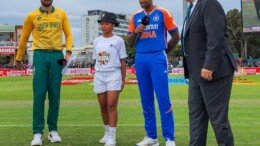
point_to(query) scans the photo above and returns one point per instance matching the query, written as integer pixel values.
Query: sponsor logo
(103, 57)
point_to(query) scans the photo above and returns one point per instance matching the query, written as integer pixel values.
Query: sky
(14, 11)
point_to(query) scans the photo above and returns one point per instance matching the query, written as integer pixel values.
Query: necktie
(187, 19)
(188, 12)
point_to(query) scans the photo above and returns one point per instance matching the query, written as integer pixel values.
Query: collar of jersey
(44, 11)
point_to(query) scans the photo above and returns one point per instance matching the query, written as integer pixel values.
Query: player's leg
(159, 72)
(100, 88)
(39, 95)
(54, 88)
(147, 98)
(102, 99)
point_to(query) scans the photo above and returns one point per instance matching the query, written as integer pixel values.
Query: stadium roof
(7, 28)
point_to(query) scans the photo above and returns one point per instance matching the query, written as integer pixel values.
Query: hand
(68, 55)
(122, 86)
(19, 65)
(140, 28)
(206, 74)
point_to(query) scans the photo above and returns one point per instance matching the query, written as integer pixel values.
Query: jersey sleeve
(122, 49)
(26, 32)
(131, 27)
(67, 31)
(169, 21)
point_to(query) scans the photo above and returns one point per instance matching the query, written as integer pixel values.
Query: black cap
(108, 17)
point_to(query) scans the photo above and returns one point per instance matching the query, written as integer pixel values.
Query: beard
(46, 3)
(145, 5)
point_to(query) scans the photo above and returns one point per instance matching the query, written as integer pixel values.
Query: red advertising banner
(252, 70)
(7, 50)
(130, 70)
(87, 71)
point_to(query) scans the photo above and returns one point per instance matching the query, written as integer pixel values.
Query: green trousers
(47, 78)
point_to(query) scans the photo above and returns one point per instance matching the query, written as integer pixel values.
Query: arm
(123, 71)
(173, 42)
(172, 28)
(122, 55)
(130, 39)
(26, 32)
(67, 31)
(133, 32)
(214, 21)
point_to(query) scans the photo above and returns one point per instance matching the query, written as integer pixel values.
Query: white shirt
(108, 52)
(194, 5)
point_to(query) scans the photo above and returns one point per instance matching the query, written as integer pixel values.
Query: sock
(112, 130)
(106, 128)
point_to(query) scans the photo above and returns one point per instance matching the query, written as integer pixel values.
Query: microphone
(62, 62)
(145, 21)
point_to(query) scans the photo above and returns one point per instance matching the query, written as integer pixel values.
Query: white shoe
(105, 138)
(170, 143)
(37, 140)
(54, 137)
(148, 142)
(111, 141)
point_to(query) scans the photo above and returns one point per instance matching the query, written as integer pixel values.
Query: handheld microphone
(62, 62)
(145, 21)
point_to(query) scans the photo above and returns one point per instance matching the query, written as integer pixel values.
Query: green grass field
(80, 122)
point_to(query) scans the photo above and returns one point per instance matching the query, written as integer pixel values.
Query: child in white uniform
(110, 69)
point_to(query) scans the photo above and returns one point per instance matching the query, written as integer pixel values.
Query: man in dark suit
(209, 65)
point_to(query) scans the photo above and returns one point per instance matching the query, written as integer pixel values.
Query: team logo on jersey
(139, 20)
(103, 57)
(156, 17)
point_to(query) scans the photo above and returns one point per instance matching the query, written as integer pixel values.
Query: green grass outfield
(80, 122)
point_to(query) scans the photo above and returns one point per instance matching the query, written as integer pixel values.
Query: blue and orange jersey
(154, 38)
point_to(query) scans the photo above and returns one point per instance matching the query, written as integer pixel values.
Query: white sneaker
(54, 137)
(148, 142)
(111, 141)
(170, 143)
(105, 138)
(37, 139)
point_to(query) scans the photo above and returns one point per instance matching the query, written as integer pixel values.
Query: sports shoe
(54, 137)
(148, 142)
(37, 139)
(111, 141)
(104, 139)
(170, 143)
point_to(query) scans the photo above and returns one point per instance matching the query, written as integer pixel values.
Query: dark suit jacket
(205, 43)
